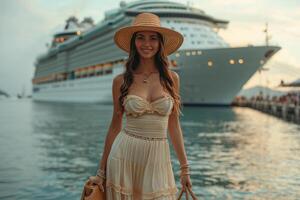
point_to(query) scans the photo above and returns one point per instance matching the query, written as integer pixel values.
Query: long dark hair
(161, 64)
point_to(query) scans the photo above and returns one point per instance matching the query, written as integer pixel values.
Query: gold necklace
(145, 80)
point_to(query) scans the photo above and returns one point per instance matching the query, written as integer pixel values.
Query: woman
(136, 160)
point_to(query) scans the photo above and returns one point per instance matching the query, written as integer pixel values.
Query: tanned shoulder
(118, 78)
(175, 77)
(117, 82)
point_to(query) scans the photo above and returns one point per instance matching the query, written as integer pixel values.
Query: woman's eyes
(141, 38)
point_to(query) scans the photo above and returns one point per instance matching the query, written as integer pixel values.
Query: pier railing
(286, 111)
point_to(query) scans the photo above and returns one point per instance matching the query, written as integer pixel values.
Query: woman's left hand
(186, 182)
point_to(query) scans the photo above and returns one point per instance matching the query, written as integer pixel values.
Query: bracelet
(101, 173)
(184, 174)
(101, 176)
(184, 166)
(185, 171)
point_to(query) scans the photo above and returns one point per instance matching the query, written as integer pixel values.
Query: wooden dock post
(297, 114)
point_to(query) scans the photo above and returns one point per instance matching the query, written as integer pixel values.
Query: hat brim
(172, 39)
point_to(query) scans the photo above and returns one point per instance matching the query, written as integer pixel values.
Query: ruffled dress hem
(113, 188)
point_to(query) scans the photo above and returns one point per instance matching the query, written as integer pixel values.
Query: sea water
(48, 150)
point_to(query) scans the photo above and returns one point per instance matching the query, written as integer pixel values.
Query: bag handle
(83, 193)
(88, 187)
(189, 190)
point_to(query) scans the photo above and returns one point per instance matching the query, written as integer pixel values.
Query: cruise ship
(82, 59)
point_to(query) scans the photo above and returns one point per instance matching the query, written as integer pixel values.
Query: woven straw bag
(92, 192)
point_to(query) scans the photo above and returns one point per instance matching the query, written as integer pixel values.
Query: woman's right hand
(97, 180)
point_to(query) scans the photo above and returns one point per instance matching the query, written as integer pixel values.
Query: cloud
(29, 25)
(22, 39)
(248, 18)
(277, 70)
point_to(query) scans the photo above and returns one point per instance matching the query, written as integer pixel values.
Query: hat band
(147, 24)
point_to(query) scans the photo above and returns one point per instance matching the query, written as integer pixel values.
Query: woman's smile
(147, 43)
(147, 50)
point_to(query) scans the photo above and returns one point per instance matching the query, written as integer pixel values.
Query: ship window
(241, 61)
(210, 63)
(99, 73)
(177, 54)
(231, 61)
(199, 52)
(193, 53)
(188, 53)
(109, 71)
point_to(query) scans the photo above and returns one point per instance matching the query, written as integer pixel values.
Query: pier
(286, 111)
(286, 106)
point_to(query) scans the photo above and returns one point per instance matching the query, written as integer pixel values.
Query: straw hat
(148, 22)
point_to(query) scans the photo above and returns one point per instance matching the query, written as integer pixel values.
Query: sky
(27, 25)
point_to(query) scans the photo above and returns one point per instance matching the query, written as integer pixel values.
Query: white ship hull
(200, 84)
(219, 84)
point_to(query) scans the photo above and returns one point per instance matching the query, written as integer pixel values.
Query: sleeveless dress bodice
(146, 118)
